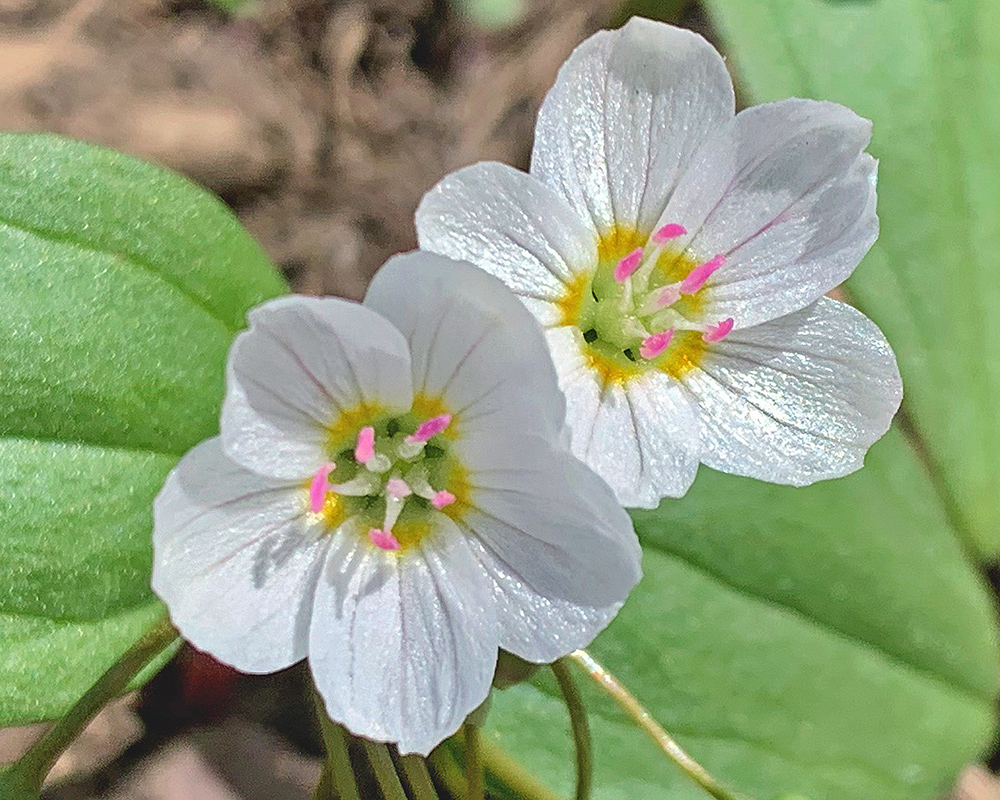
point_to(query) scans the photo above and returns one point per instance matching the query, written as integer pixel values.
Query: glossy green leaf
(831, 641)
(927, 73)
(121, 286)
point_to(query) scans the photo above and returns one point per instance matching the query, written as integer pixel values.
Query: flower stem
(645, 720)
(30, 770)
(324, 789)
(473, 762)
(447, 770)
(418, 778)
(580, 726)
(385, 771)
(505, 770)
(338, 759)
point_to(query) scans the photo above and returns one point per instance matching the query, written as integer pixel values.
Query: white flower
(389, 499)
(677, 254)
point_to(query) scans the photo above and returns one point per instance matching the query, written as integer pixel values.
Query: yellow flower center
(390, 473)
(616, 316)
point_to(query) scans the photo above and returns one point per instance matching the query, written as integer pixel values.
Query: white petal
(534, 626)
(303, 362)
(787, 194)
(628, 109)
(473, 344)
(235, 561)
(509, 224)
(798, 399)
(403, 647)
(642, 438)
(550, 519)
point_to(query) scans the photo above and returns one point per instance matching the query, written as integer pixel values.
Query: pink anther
(668, 296)
(319, 487)
(628, 265)
(398, 488)
(697, 277)
(653, 345)
(442, 499)
(383, 539)
(670, 231)
(429, 428)
(718, 331)
(365, 448)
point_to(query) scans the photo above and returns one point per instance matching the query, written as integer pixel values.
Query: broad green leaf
(121, 286)
(831, 641)
(927, 73)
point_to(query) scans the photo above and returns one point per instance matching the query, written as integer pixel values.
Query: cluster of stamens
(643, 309)
(394, 470)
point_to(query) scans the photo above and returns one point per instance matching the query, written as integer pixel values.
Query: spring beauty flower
(390, 499)
(677, 255)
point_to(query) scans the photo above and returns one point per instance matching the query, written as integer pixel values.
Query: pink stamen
(318, 488)
(671, 231)
(668, 296)
(628, 265)
(398, 488)
(365, 449)
(383, 539)
(653, 345)
(429, 428)
(697, 277)
(718, 331)
(442, 499)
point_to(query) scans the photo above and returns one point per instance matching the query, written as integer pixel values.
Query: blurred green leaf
(234, 6)
(831, 641)
(121, 286)
(928, 74)
(493, 14)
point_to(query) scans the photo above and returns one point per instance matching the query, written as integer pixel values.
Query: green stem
(512, 775)
(448, 771)
(30, 770)
(324, 789)
(418, 778)
(473, 762)
(338, 759)
(581, 728)
(645, 720)
(385, 771)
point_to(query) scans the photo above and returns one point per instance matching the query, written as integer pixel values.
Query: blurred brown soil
(321, 123)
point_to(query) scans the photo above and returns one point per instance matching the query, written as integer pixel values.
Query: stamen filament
(361, 484)
(408, 450)
(378, 463)
(393, 508)
(661, 298)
